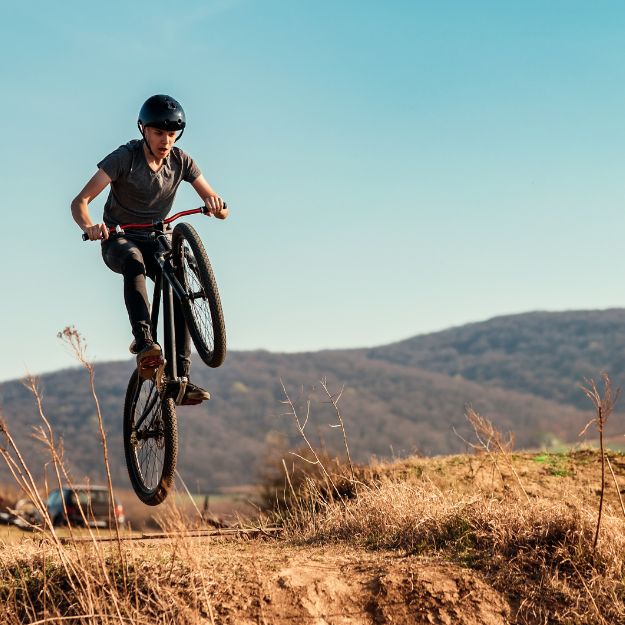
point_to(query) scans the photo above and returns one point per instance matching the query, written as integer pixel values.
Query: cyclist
(144, 175)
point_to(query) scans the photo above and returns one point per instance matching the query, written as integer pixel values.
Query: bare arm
(212, 201)
(80, 206)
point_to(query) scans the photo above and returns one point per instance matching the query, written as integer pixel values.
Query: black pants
(132, 255)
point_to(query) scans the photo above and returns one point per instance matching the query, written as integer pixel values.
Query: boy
(144, 176)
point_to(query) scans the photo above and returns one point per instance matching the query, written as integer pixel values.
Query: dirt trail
(252, 583)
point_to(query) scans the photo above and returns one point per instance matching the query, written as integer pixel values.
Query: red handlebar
(121, 229)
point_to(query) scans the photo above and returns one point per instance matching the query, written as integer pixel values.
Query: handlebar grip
(85, 237)
(117, 229)
(205, 210)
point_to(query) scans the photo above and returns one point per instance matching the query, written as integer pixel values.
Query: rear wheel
(150, 440)
(202, 309)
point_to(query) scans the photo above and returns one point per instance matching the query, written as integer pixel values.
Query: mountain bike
(150, 428)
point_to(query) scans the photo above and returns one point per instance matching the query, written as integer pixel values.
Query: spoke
(198, 305)
(149, 405)
(149, 457)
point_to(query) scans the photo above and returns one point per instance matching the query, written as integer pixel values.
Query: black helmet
(162, 111)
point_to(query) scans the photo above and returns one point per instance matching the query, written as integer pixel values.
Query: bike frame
(165, 289)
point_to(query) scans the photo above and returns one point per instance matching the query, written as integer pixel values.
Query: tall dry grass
(604, 404)
(543, 556)
(539, 554)
(48, 579)
(166, 584)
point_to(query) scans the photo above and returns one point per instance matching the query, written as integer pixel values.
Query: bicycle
(150, 427)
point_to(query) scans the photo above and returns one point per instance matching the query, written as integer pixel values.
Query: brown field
(224, 507)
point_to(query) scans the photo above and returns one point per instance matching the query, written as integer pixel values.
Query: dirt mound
(334, 586)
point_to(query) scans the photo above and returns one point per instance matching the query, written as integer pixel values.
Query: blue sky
(392, 168)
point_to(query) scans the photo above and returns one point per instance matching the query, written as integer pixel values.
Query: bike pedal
(152, 362)
(149, 365)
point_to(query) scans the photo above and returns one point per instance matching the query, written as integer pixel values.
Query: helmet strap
(145, 140)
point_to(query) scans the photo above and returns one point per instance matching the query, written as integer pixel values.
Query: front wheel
(201, 307)
(150, 440)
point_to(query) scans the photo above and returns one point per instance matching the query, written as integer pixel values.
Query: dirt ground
(255, 582)
(272, 581)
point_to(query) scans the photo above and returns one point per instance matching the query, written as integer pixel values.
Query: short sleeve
(117, 163)
(191, 170)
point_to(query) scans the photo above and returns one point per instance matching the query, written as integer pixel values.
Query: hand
(216, 206)
(97, 232)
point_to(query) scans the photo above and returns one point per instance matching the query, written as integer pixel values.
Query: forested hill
(542, 353)
(521, 371)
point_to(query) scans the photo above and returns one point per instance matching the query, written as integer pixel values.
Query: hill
(521, 371)
(547, 354)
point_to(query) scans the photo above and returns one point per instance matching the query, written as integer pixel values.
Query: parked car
(6, 516)
(26, 515)
(94, 501)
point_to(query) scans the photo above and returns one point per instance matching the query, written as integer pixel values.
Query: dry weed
(539, 554)
(45, 580)
(604, 406)
(493, 443)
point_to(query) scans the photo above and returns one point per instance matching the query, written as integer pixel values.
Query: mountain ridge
(522, 371)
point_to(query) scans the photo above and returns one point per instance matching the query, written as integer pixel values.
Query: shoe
(194, 395)
(149, 359)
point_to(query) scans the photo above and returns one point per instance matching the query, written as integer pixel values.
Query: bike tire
(203, 313)
(151, 452)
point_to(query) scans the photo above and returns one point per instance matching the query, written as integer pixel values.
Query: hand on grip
(95, 233)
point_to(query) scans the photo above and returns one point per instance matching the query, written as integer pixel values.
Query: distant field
(223, 507)
(10, 534)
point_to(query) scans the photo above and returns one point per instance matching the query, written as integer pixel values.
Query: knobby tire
(152, 450)
(203, 313)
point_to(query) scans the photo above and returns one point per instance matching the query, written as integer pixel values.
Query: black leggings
(132, 255)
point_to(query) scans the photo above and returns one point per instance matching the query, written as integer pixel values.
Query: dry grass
(164, 585)
(539, 554)
(45, 579)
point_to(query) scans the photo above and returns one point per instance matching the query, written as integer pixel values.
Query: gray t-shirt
(137, 193)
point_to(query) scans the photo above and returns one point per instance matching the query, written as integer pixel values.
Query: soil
(254, 582)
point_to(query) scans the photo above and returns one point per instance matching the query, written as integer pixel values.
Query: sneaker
(149, 359)
(194, 395)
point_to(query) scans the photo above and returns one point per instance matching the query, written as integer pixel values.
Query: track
(270, 532)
